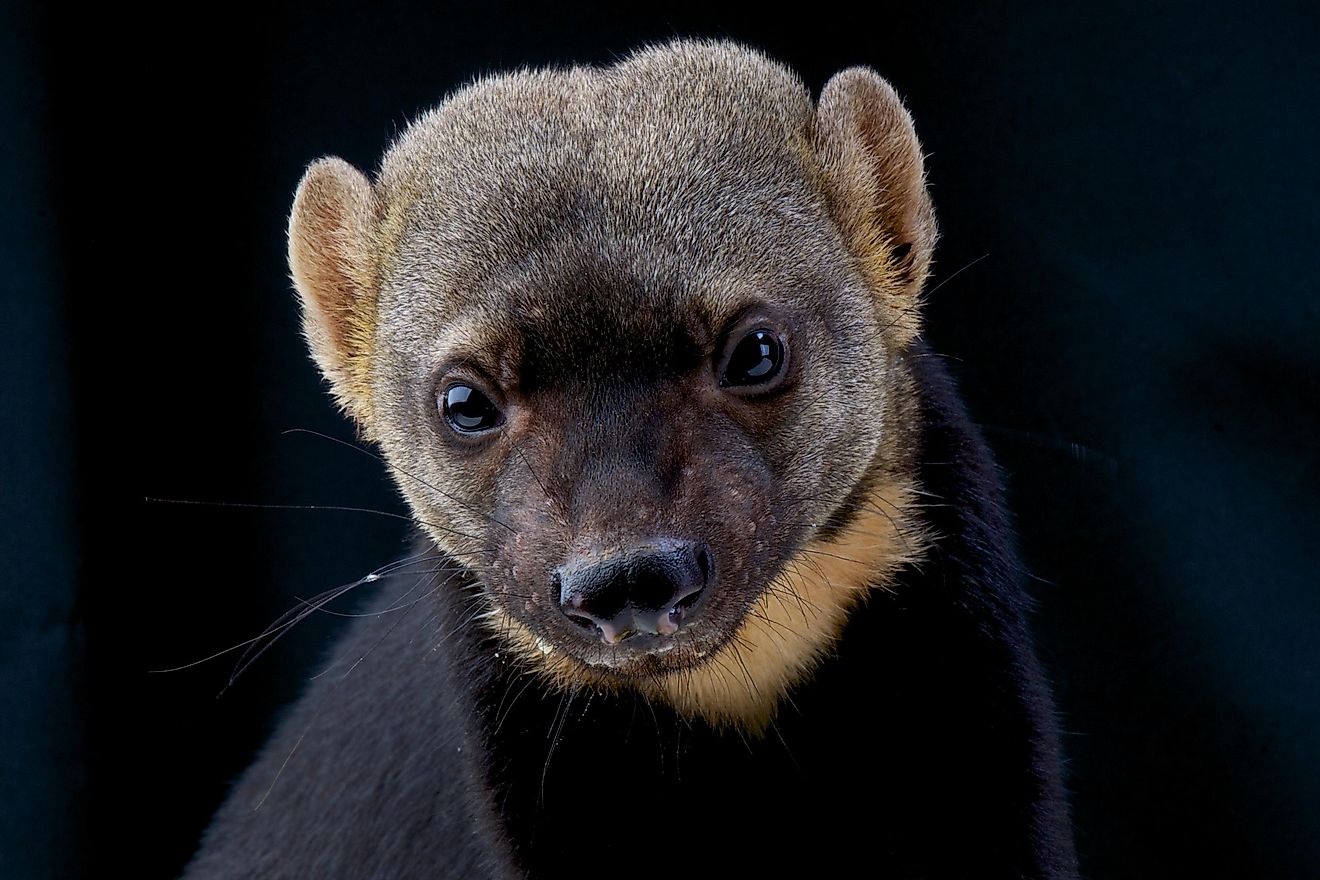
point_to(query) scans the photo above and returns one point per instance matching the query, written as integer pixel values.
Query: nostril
(703, 562)
(688, 601)
(582, 620)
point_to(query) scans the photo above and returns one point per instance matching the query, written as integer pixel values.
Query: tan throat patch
(785, 635)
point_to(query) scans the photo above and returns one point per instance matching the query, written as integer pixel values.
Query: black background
(1126, 286)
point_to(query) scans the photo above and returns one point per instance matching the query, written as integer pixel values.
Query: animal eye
(756, 360)
(467, 410)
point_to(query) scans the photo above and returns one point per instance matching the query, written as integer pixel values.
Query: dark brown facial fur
(583, 247)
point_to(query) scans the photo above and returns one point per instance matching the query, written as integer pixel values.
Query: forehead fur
(695, 150)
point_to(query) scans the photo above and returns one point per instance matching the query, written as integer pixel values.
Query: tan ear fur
(876, 182)
(332, 260)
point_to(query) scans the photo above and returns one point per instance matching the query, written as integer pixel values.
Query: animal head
(631, 340)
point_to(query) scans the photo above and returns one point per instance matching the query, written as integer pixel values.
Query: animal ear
(876, 187)
(332, 259)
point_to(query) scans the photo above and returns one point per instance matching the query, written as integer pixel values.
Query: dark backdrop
(1126, 286)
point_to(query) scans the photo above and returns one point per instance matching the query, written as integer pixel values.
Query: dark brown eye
(467, 410)
(756, 360)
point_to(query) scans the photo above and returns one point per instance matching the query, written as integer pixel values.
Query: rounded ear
(332, 260)
(876, 185)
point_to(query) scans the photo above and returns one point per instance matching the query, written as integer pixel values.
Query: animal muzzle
(654, 589)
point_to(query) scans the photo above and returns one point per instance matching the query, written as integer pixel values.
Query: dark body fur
(925, 747)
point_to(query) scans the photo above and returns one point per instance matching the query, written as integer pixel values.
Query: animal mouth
(643, 655)
(640, 654)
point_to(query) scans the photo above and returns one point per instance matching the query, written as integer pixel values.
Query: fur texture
(585, 246)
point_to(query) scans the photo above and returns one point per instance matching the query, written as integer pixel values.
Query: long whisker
(340, 590)
(518, 449)
(392, 466)
(454, 568)
(310, 724)
(501, 713)
(284, 626)
(294, 616)
(434, 586)
(565, 705)
(936, 288)
(904, 312)
(831, 555)
(339, 508)
(289, 757)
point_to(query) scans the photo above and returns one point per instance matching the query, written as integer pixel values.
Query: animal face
(631, 341)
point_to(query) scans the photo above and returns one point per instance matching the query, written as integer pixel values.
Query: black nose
(653, 589)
